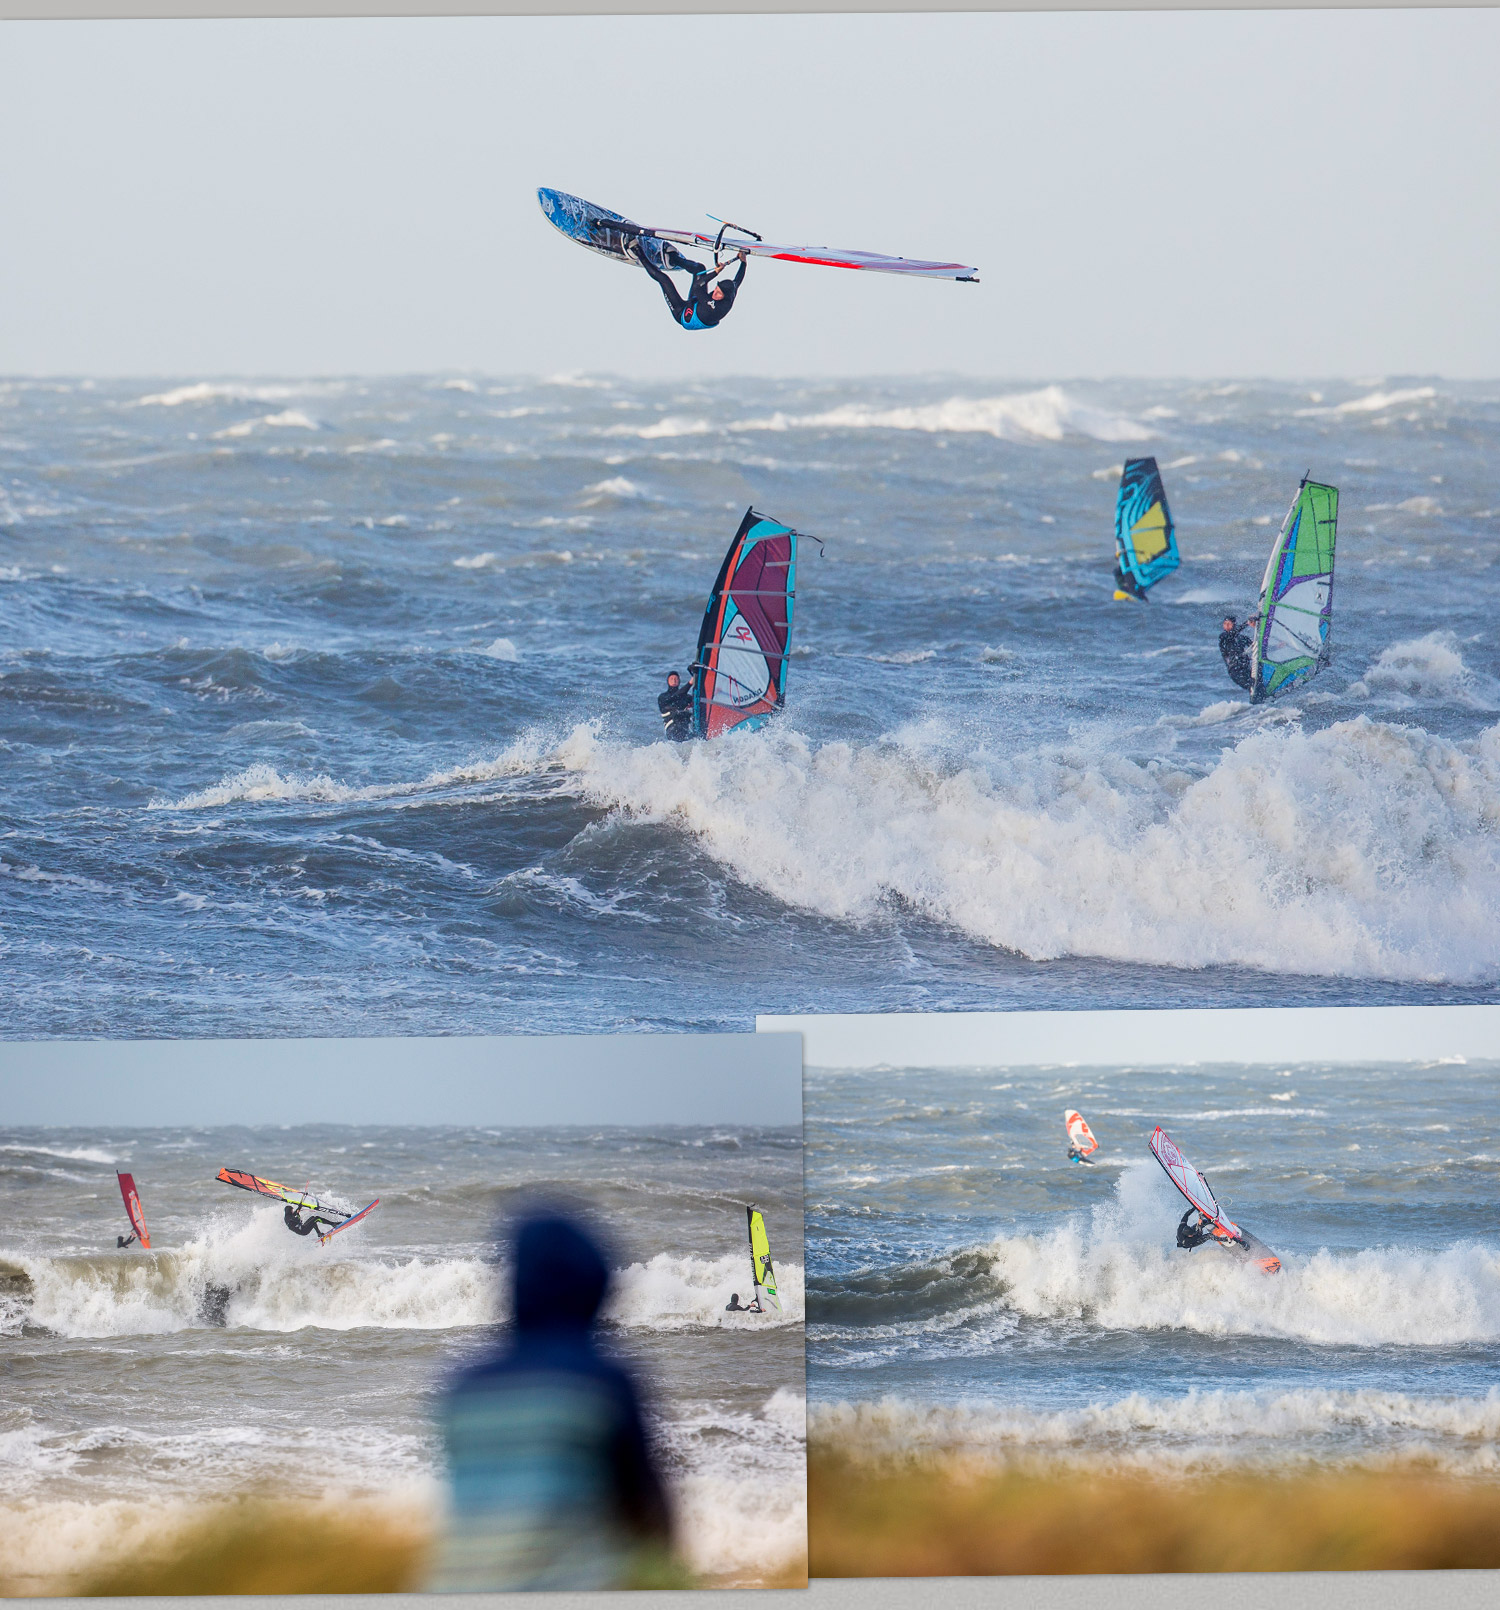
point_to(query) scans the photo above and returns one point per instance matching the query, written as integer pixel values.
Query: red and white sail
(819, 256)
(1188, 1180)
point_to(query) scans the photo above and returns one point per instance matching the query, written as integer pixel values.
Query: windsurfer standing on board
(706, 303)
(676, 706)
(1234, 645)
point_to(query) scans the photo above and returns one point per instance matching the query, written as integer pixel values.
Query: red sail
(132, 1201)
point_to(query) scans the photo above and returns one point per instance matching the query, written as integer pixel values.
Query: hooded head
(560, 1274)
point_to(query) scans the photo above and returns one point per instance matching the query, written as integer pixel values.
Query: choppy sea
(235, 1357)
(971, 1289)
(329, 706)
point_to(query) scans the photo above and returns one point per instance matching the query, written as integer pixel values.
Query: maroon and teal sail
(739, 672)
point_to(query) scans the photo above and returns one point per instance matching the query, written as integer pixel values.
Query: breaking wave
(248, 1277)
(1201, 1429)
(1363, 850)
(1116, 1270)
(1428, 670)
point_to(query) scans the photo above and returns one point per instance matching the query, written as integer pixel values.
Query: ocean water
(234, 1357)
(971, 1289)
(331, 705)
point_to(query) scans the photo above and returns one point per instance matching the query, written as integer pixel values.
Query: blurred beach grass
(953, 1516)
(258, 1545)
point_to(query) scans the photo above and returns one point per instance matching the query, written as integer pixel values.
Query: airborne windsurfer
(707, 303)
(676, 707)
(1234, 645)
(300, 1226)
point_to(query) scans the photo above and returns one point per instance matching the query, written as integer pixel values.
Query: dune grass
(269, 1546)
(951, 1517)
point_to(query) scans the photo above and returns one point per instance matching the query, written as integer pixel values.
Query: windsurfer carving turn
(708, 299)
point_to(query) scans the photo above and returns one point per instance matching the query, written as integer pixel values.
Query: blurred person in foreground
(552, 1482)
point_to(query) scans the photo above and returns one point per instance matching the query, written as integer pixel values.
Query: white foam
(503, 649)
(1048, 415)
(271, 1286)
(262, 783)
(1365, 849)
(287, 418)
(205, 391)
(77, 1154)
(676, 1293)
(1374, 402)
(617, 486)
(1428, 669)
(1197, 1430)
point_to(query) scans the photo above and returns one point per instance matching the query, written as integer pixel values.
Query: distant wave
(1047, 415)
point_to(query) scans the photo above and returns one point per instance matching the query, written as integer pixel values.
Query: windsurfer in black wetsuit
(1193, 1235)
(1234, 645)
(707, 303)
(1126, 586)
(300, 1226)
(676, 706)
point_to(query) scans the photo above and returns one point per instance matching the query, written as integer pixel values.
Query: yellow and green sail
(760, 1258)
(1296, 597)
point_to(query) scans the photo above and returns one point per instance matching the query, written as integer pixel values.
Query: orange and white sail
(1080, 1137)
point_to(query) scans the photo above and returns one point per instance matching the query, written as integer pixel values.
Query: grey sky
(1392, 1034)
(728, 1079)
(1280, 193)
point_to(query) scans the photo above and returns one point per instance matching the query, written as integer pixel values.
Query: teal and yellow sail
(760, 1259)
(1145, 537)
(1296, 597)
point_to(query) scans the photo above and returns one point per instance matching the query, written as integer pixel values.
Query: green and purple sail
(1296, 597)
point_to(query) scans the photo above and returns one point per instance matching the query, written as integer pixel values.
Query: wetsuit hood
(560, 1275)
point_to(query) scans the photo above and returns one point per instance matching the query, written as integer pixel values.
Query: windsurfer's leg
(674, 301)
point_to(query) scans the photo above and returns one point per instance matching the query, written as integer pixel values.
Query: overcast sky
(732, 1079)
(1378, 1034)
(1274, 193)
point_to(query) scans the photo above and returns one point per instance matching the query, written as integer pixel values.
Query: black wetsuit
(735, 1306)
(676, 706)
(1235, 647)
(1128, 584)
(298, 1226)
(697, 310)
(1192, 1235)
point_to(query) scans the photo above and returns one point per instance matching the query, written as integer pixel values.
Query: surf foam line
(1363, 850)
(250, 1278)
(263, 784)
(1046, 415)
(1202, 1430)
